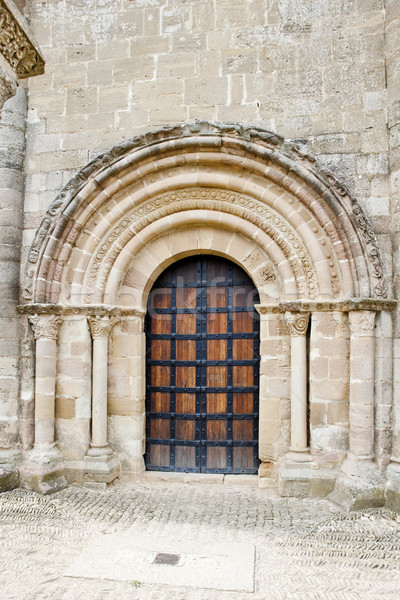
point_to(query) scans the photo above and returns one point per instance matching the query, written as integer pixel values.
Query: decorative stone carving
(263, 145)
(297, 322)
(45, 326)
(221, 200)
(362, 323)
(101, 327)
(16, 43)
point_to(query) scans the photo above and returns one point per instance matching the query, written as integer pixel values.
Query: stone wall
(317, 72)
(12, 148)
(313, 71)
(393, 93)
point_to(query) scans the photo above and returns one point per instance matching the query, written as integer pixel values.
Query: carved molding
(219, 200)
(356, 304)
(297, 323)
(100, 327)
(362, 323)
(45, 326)
(16, 43)
(264, 145)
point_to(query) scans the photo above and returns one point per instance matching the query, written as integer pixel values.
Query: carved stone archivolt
(45, 326)
(260, 163)
(223, 201)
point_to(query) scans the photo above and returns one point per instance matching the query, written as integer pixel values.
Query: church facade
(199, 249)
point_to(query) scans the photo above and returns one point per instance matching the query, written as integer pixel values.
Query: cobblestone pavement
(305, 549)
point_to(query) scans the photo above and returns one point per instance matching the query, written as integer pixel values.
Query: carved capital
(297, 322)
(101, 327)
(362, 323)
(45, 326)
(17, 44)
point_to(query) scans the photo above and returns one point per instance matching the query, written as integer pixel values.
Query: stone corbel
(19, 51)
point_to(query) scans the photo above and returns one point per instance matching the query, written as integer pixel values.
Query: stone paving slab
(305, 549)
(123, 557)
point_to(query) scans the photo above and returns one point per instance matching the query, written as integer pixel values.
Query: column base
(9, 479)
(300, 477)
(359, 486)
(43, 472)
(101, 470)
(393, 487)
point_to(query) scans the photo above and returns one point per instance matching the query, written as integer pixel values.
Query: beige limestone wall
(12, 147)
(73, 389)
(313, 71)
(329, 387)
(126, 393)
(274, 424)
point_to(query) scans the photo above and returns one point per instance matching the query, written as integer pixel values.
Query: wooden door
(202, 368)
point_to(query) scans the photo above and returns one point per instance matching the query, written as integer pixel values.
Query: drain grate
(167, 559)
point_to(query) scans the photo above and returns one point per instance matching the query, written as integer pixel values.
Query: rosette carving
(100, 327)
(297, 322)
(45, 326)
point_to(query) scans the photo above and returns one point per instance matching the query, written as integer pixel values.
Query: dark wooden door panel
(202, 369)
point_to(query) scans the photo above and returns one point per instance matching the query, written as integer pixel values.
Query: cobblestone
(305, 549)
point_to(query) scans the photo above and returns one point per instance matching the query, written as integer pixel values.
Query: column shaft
(45, 328)
(298, 394)
(99, 395)
(298, 323)
(100, 328)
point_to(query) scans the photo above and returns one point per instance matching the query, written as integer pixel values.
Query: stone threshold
(200, 478)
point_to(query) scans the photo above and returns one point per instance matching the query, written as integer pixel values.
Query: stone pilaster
(101, 464)
(361, 485)
(44, 471)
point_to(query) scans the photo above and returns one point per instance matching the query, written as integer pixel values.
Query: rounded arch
(163, 193)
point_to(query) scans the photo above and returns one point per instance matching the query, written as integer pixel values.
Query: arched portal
(244, 195)
(202, 369)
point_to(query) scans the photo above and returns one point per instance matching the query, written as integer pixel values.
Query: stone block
(129, 70)
(101, 469)
(8, 478)
(43, 479)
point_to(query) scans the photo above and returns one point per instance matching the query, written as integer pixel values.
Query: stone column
(361, 484)
(101, 464)
(298, 323)
(45, 331)
(299, 475)
(44, 472)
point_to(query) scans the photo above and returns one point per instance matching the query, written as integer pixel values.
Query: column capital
(101, 326)
(361, 323)
(297, 322)
(45, 326)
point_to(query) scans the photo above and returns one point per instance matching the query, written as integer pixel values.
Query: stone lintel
(17, 43)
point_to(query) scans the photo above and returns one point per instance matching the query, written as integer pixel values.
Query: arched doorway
(202, 369)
